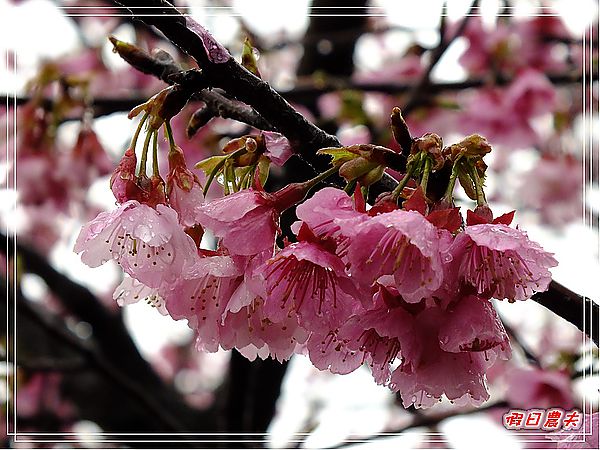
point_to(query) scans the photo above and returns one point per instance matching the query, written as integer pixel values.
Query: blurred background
(81, 371)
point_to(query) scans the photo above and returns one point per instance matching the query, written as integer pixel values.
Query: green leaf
(338, 155)
(249, 60)
(209, 164)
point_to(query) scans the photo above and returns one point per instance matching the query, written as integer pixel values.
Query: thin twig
(421, 421)
(435, 56)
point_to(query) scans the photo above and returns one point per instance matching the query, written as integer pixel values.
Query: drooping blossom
(123, 179)
(538, 388)
(183, 189)
(487, 48)
(126, 185)
(131, 291)
(331, 213)
(530, 94)
(147, 243)
(251, 330)
(540, 41)
(308, 280)
(202, 295)
(472, 325)
(375, 337)
(246, 221)
(279, 149)
(402, 244)
(434, 372)
(554, 188)
(502, 262)
(89, 158)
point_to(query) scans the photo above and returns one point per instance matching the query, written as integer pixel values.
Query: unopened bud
(400, 130)
(250, 145)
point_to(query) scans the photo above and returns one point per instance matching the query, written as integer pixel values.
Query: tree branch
(422, 421)
(111, 336)
(581, 311)
(306, 92)
(306, 137)
(436, 54)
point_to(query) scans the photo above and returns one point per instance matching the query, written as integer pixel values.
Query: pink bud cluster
(406, 293)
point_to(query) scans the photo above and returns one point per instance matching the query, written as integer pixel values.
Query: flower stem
(169, 134)
(155, 170)
(481, 201)
(145, 153)
(322, 176)
(403, 182)
(425, 178)
(452, 181)
(350, 186)
(137, 132)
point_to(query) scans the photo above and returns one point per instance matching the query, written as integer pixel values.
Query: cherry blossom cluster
(403, 286)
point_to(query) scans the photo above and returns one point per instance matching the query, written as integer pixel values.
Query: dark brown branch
(161, 65)
(110, 335)
(238, 82)
(96, 360)
(305, 92)
(581, 311)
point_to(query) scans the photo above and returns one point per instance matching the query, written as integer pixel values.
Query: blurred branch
(435, 56)
(52, 364)
(306, 92)
(112, 338)
(423, 421)
(136, 391)
(514, 337)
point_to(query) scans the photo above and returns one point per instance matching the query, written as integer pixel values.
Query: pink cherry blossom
(554, 188)
(147, 243)
(530, 94)
(43, 178)
(250, 326)
(435, 372)
(375, 337)
(487, 112)
(90, 155)
(408, 68)
(539, 39)
(538, 388)
(501, 262)
(247, 221)
(183, 189)
(201, 296)
(487, 47)
(473, 325)
(279, 149)
(399, 243)
(330, 213)
(306, 279)
(131, 291)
